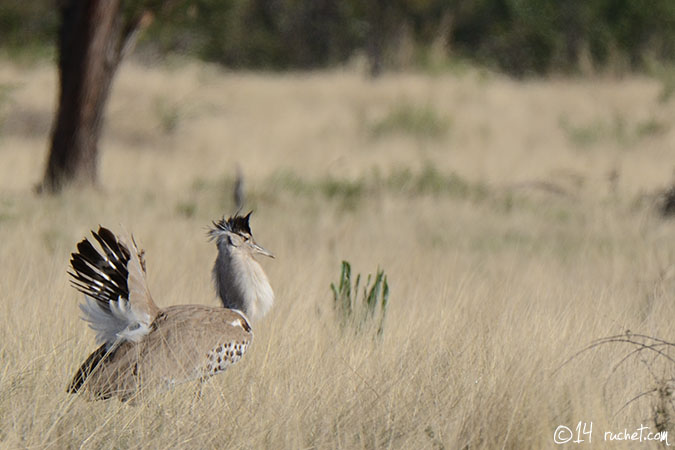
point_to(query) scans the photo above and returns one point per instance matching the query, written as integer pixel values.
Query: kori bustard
(143, 345)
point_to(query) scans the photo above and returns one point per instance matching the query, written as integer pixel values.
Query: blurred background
(441, 43)
(524, 37)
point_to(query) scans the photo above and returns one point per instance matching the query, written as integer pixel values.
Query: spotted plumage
(224, 355)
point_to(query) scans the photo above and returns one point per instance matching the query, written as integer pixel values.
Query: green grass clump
(431, 181)
(664, 73)
(417, 121)
(168, 115)
(615, 130)
(5, 99)
(356, 311)
(351, 193)
(651, 127)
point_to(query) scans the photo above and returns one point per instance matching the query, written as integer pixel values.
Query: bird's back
(186, 342)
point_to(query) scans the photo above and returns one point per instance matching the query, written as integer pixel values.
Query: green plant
(651, 127)
(357, 311)
(348, 192)
(168, 115)
(418, 121)
(582, 136)
(186, 208)
(5, 98)
(615, 129)
(664, 73)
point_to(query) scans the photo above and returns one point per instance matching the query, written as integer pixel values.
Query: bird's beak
(260, 250)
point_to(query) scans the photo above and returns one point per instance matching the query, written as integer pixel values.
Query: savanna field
(517, 222)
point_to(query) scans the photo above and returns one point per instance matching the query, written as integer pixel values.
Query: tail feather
(117, 304)
(103, 278)
(118, 254)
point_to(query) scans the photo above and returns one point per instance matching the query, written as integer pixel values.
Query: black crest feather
(235, 224)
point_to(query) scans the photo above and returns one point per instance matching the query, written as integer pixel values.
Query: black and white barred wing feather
(118, 305)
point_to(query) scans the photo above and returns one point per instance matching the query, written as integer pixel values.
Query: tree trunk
(91, 41)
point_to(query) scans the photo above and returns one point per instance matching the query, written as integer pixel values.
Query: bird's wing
(188, 342)
(195, 341)
(117, 304)
(108, 373)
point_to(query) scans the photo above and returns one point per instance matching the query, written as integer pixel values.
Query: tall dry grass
(511, 239)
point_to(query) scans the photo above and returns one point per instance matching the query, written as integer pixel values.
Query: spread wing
(118, 305)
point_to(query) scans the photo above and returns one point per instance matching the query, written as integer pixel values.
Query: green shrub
(358, 311)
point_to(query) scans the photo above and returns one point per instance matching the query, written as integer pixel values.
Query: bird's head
(234, 234)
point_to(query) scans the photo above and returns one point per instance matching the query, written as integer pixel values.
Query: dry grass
(507, 242)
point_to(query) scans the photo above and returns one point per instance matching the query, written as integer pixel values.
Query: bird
(144, 346)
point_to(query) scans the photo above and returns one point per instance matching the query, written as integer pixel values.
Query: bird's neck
(242, 284)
